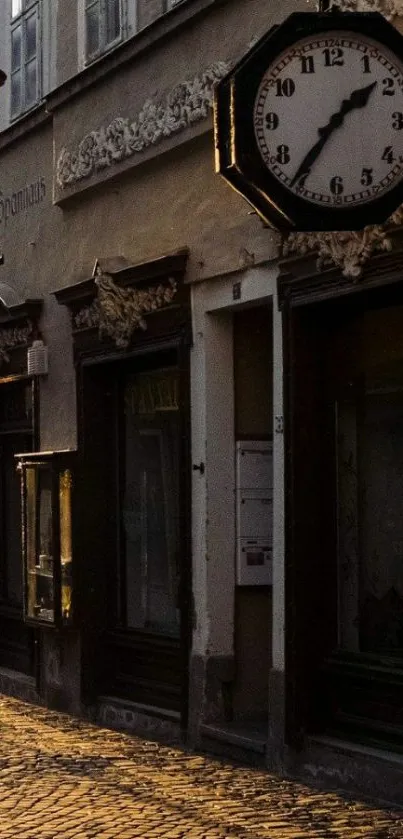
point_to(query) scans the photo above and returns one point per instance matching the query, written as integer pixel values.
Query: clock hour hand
(358, 99)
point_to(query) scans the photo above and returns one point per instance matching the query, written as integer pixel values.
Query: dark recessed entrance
(345, 518)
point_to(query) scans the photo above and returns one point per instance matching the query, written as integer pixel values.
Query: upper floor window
(25, 54)
(103, 25)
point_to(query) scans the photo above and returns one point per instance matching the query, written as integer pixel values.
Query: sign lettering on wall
(14, 203)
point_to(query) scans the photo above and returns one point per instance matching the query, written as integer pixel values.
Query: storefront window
(369, 419)
(151, 501)
(47, 530)
(40, 549)
(65, 485)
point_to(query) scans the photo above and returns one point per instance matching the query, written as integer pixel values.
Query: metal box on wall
(254, 512)
(254, 464)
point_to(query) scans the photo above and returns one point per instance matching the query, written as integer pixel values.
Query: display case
(47, 486)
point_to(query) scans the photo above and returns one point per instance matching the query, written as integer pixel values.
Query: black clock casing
(336, 158)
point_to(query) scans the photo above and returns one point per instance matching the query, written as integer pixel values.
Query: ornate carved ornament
(348, 250)
(388, 8)
(13, 337)
(118, 312)
(18, 323)
(187, 103)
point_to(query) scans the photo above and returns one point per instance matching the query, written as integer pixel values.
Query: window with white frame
(103, 25)
(25, 55)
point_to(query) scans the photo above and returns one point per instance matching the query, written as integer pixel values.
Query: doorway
(16, 435)
(135, 450)
(253, 409)
(345, 537)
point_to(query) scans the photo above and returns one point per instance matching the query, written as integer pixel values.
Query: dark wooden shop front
(133, 499)
(19, 408)
(343, 344)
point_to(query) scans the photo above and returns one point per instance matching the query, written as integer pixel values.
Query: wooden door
(17, 649)
(134, 452)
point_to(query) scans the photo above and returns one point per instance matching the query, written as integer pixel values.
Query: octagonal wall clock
(309, 124)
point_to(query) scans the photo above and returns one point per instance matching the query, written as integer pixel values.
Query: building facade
(173, 577)
(109, 194)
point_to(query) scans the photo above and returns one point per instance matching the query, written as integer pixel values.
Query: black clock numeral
(388, 87)
(272, 121)
(285, 87)
(307, 64)
(283, 154)
(388, 155)
(397, 123)
(336, 185)
(366, 177)
(333, 57)
(366, 64)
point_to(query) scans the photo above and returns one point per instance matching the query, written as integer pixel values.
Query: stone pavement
(61, 777)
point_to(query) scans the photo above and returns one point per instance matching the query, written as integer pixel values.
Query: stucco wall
(36, 261)
(173, 200)
(153, 73)
(67, 57)
(146, 209)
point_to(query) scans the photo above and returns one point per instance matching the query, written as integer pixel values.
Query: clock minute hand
(358, 99)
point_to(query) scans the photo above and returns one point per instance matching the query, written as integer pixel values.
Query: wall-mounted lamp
(38, 359)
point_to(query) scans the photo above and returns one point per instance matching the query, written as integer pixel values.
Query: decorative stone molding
(349, 250)
(388, 8)
(187, 103)
(118, 312)
(13, 337)
(87, 317)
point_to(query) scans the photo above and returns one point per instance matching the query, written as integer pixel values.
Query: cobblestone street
(61, 777)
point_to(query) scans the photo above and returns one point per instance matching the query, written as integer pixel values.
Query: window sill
(103, 51)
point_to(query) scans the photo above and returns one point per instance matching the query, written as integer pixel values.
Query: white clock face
(328, 119)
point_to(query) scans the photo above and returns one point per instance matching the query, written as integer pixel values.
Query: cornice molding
(187, 103)
(120, 298)
(348, 250)
(388, 8)
(118, 312)
(125, 274)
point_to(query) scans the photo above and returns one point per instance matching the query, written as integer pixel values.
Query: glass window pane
(16, 92)
(30, 37)
(15, 7)
(44, 572)
(151, 501)
(16, 48)
(31, 537)
(30, 84)
(370, 521)
(92, 30)
(39, 544)
(112, 20)
(381, 476)
(65, 485)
